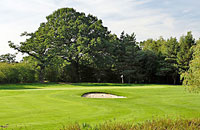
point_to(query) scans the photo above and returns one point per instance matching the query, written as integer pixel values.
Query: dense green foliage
(125, 52)
(16, 73)
(192, 76)
(159, 124)
(75, 47)
(173, 57)
(79, 39)
(170, 66)
(185, 51)
(50, 106)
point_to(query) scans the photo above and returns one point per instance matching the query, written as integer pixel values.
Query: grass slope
(50, 106)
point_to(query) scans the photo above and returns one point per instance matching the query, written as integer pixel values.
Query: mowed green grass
(50, 106)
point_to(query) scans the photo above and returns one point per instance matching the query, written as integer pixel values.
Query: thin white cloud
(147, 18)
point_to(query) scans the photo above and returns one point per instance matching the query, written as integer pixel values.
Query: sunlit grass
(50, 106)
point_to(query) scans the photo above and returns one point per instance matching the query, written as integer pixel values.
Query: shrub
(26, 73)
(16, 73)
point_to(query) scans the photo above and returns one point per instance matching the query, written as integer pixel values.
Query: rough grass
(50, 106)
(159, 124)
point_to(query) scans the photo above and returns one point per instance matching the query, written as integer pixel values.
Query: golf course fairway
(50, 106)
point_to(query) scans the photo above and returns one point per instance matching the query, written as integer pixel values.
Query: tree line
(74, 47)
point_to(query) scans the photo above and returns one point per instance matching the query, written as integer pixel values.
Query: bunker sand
(100, 95)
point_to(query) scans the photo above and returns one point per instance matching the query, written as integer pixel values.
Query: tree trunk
(75, 65)
(174, 78)
(129, 79)
(41, 74)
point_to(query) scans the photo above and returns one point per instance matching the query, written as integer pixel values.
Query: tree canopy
(74, 47)
(78, 39)
(192, 76)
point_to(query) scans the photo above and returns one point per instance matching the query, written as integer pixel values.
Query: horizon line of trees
(74, 47)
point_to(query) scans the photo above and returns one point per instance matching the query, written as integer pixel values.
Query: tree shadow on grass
(9, 87)
(108, 84)
(48, 85)
(25, 86)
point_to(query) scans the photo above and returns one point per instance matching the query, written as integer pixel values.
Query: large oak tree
(80, 39)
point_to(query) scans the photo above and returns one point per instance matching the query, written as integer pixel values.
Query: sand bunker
(100, 95)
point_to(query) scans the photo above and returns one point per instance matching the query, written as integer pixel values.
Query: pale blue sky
(147, 18)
